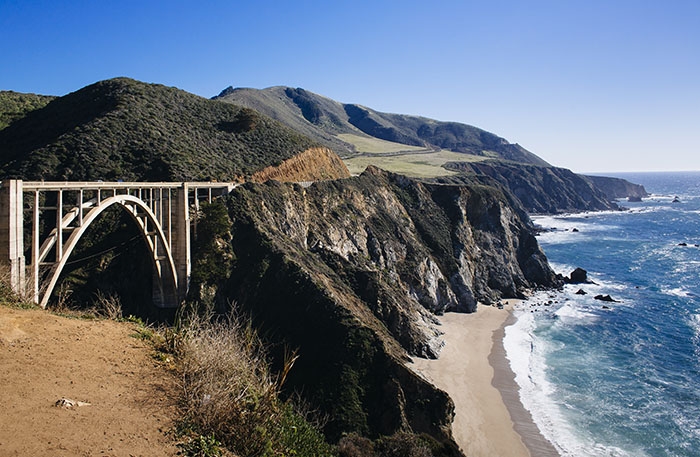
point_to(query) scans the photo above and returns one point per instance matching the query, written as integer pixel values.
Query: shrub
(402, 444)
(212, 251)
(229, 393)
(354, 445)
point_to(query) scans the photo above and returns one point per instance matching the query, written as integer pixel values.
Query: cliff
(539, 189)
(352, 271)
(615, 188)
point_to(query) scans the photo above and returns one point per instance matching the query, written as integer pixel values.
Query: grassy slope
(309, 114)
(125, 129)
(373, 145)
(416, 165)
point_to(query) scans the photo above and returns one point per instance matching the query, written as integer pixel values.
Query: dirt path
(44, 358)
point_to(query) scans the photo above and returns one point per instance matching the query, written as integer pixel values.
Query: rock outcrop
(351, 272)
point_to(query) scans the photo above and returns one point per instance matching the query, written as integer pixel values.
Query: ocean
(620, 378)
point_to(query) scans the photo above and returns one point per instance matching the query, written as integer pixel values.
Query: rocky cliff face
(352, 271)
(548, 190)
(615, 188)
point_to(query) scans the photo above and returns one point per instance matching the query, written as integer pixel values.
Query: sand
(484, 418)
(44, 357)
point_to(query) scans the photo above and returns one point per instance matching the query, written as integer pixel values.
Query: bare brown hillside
(44, 357)
(313, 164)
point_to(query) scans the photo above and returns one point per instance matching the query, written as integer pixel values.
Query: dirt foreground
(44, 358)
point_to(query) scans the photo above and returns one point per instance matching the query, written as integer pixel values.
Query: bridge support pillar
(12, 234)
(180, 243)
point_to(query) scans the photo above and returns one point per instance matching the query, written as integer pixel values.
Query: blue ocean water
(618, 379)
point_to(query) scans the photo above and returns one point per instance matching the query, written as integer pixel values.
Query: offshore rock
(606, 298)
(352, 273)
(578, 276)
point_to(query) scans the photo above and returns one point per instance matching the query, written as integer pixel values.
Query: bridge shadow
(110, 264)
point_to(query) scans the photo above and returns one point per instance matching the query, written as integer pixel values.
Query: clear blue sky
(590, 85)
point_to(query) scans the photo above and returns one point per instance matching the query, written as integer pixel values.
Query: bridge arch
(161, 210)
(165, 288)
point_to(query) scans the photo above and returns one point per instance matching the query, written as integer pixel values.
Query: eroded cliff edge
(351, 272)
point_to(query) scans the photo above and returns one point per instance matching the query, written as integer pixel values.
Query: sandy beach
(486, 399)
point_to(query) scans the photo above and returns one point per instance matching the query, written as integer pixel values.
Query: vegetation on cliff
(15, 105)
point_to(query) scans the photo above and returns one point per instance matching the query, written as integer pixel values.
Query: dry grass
(21, 297)
(108, 306)
(229, 392)
(223, 372)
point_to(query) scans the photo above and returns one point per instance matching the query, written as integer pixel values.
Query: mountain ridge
(323, 119)
(123, 129)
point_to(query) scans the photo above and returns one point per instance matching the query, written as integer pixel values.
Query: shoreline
(474, 371)
(504, 381)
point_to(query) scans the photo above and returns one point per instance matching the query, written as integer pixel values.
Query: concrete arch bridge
(50, 219)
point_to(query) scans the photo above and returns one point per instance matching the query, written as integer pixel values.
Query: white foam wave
(571, 312)
(598, 285)
(563, 268)
(563, 224)
(569, 229)
(695, 324)
(677, 292)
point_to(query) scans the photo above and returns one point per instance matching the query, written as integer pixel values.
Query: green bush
(201, 446)
(212, 251)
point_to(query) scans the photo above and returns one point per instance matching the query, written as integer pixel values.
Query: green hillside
(15, 105)
(130, 130)
(329, 122)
